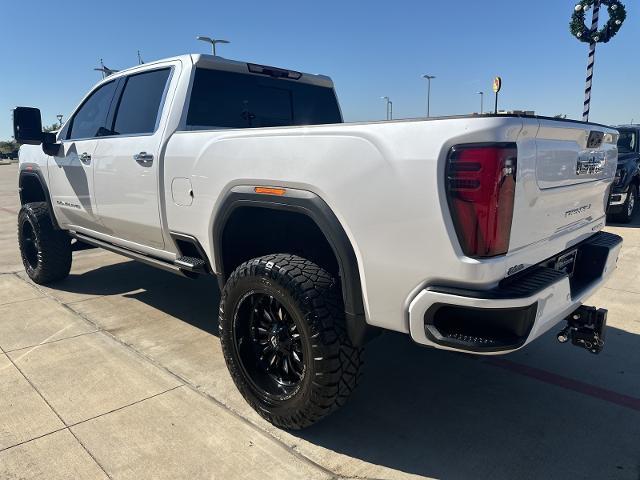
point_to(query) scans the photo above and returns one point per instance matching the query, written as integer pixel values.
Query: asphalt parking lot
(116, 372)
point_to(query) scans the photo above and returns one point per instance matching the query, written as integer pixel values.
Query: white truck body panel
(382, 180)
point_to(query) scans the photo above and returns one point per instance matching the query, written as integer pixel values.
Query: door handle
(85, 158)
(143, 158)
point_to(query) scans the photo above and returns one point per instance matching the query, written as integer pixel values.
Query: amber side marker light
(270, 190)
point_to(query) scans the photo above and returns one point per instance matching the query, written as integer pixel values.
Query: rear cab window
(222, 99)
(139, 106)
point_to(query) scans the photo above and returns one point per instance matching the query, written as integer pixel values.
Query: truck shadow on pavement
(427, 412)
(192, 301)
(445, 415)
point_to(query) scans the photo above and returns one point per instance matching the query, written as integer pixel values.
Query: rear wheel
(45, 251)
(284, 340)
(629, 206)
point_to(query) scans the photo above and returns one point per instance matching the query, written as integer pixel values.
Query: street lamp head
(480, 93)
(384, 98)
(212, 41)
(429, 77)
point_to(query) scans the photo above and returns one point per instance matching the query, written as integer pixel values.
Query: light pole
(429, 78)
(389, 107)
(212, 41)
(481, 102)
(59, 119)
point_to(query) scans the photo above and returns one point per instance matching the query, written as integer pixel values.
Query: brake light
(480, 184)
(274, 71)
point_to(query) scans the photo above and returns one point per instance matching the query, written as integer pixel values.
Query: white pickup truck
(472, 234)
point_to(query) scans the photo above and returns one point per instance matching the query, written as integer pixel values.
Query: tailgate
(564, 174)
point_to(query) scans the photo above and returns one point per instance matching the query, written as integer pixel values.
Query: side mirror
(27, 129)
(27, 125)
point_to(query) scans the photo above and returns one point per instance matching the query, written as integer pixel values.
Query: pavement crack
(34, 438)
(48, 342)
(125, 406)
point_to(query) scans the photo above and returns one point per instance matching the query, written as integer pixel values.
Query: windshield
(235, 100)
(627, 141)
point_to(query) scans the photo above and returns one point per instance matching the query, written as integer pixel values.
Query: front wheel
(45, 251)
(283, 336)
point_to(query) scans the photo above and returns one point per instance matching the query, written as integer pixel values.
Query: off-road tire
(629, 207)
(48, 258)
(333, 363)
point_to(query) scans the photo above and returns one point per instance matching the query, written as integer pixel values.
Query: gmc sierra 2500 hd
(472, 234)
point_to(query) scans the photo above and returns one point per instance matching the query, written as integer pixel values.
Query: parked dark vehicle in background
(624, 191)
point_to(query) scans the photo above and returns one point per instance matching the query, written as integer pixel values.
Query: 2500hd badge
(577, 211)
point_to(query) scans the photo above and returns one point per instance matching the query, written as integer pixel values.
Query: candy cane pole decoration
(592, 57)
(579, 29)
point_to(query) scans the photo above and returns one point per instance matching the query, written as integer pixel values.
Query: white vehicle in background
(472, 234)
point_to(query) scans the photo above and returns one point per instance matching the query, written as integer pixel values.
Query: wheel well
(31, 190)
(248, 226)
(252, 232)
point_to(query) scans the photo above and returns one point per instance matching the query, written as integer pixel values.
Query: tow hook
(585, 328)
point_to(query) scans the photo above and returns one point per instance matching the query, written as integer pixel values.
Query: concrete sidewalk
(116, 372)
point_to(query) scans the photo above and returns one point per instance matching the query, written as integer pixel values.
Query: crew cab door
(71, 183)
(127, 161)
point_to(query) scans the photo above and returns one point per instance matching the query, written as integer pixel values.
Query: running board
(154, 262)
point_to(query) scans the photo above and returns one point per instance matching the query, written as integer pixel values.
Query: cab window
(91, 118)
(627, 141)
(139, 105)
(221, 99)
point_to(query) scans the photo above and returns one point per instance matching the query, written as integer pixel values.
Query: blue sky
(370, 49)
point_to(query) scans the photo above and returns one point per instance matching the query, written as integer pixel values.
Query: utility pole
(429, 78)
(212, 41)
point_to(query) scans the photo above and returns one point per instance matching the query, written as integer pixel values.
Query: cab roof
(221, 63)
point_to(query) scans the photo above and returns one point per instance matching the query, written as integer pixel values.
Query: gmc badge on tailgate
(590, 163)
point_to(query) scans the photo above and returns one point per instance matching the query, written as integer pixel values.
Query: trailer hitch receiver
(585, 328)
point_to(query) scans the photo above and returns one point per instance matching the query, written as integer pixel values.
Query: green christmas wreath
(617, 15)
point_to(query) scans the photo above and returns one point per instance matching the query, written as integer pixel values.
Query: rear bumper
(517, 311)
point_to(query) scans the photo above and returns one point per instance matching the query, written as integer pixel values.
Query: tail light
(480, 183)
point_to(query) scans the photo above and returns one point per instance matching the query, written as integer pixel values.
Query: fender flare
(312, 206)
(38, 175)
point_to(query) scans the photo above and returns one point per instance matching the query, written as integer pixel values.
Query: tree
(9, 146)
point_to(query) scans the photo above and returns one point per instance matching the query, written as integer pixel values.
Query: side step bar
(193, 264)
(154, 262)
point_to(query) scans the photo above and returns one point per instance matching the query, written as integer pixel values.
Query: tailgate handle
(595, 139)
